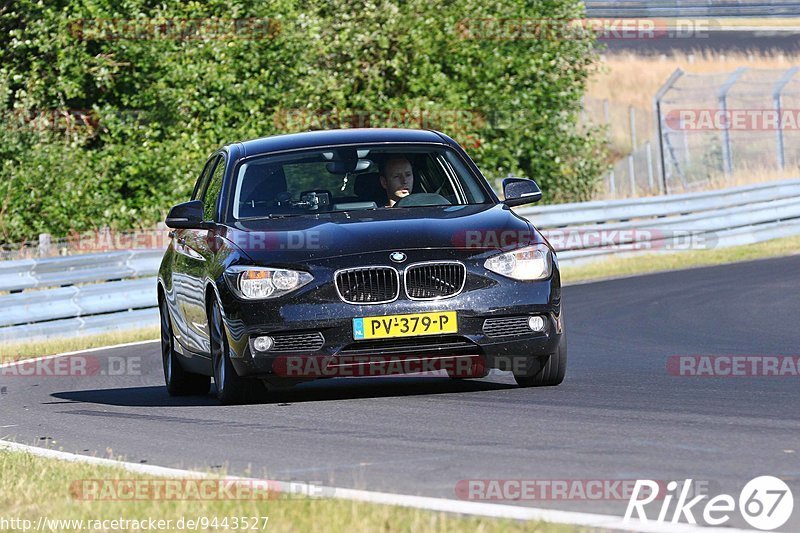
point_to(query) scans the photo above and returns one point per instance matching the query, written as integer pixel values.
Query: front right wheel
(231, 387)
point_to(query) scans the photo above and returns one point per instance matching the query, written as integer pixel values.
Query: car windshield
(353, 178)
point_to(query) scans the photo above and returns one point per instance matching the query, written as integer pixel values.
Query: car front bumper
(318, 310)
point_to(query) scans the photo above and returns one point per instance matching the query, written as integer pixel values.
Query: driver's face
(398, 180)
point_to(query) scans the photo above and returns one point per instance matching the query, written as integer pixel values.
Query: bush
(105, 130)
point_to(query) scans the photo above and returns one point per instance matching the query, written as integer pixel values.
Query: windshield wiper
(276, 215)
(288, 215)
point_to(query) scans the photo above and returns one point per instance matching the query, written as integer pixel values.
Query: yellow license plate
(382, 327)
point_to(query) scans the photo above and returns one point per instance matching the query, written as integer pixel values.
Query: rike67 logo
(765, 503)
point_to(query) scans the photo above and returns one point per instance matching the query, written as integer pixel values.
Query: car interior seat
(260, 187)
(368, 188)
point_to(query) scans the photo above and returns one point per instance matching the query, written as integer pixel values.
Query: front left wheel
(179, 381)
(549, 372)
(231, 387)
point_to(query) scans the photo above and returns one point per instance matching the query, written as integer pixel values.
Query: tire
(549, 374)
(179, 382)
(232, 389)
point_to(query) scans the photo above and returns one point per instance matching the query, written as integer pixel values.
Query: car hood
(468, 229)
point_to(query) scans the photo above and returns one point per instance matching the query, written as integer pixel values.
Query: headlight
(259, 283)
(529, 263)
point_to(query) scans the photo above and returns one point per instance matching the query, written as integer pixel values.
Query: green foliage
(155, 106)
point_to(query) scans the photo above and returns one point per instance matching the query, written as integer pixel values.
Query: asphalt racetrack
(619, 415)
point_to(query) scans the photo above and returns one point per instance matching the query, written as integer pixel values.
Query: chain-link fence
(713, 127)
(630, 131)
(704, 131)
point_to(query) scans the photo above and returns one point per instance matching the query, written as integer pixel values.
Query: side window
(200, 186)
(212, 191)
(436, 176)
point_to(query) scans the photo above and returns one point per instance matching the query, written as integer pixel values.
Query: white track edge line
(490, 510)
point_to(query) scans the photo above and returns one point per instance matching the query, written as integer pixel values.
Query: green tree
(101, 128)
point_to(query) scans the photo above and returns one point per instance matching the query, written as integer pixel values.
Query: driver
(397, 178)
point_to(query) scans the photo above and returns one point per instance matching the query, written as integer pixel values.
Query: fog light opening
(262, 344)
(536, 323)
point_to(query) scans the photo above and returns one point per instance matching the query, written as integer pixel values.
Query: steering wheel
(422, 199)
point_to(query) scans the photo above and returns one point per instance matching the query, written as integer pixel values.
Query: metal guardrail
(78, 295)
(691, 8)
(76, 301)
(101, 293)
(56, 271)
(715, 219)
(563, 215)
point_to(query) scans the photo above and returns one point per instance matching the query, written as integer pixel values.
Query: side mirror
(519, 191)
(188, 215)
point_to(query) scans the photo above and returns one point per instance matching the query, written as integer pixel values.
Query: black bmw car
(350, 253)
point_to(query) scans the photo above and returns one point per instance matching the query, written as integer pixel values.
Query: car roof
(311, 139)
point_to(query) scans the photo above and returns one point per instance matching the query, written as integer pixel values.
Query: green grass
(14, 351)
(630, 266)
(32, 486)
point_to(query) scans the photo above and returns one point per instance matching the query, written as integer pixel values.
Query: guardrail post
(632, 174)
(687, 154)
(660, 126)
(612, 185)
(776, 102)
(722, 96)
(45, 241)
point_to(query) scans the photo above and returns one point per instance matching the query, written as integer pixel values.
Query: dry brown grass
(756, 21)
(630, 79)
(738, 178)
